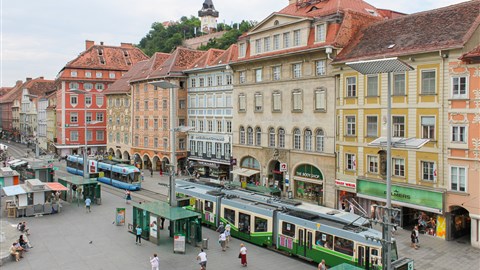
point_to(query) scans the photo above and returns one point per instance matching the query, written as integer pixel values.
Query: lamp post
(85, 157)
(389, 66)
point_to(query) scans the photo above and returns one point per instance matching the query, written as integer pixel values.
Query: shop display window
(309, 191)
(343, 245)
(261, 224)
(229, 215)
(244, 223)
(208, 206)
(324, 240)
(288, 229)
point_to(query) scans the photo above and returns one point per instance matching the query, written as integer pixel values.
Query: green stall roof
(78, 180)
(163, 209)
(345, 266)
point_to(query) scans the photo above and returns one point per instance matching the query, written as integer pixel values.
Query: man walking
(138, 239)
(202, 256)
(88, 202)
(155, 262)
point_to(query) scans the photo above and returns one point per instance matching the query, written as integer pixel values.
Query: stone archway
(156, 163)
(147, 162)
(275, 176)
(138, 161)
(460, 223)
(126, 155)
(118, 154)
(111, 152)
(165, 163)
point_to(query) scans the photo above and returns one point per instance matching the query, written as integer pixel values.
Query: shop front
(346, 197)
(209, 169)
(308, 184)
(417, 206)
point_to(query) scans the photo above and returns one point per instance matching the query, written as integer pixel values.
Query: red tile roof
(122, 85)
(108, 58)
(4, 90)
(438, 29)
(472, 56)
(38, 86)
(180, 60)
(207, 59)
(327, 7)
(150, 66)
(224, 58)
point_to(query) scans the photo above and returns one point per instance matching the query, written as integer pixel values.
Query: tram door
(305, 241)
(363, 256)
(199, 206)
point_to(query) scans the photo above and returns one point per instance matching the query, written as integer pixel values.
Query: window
(276, 101)
(125, 138)
(308, 140)
(372, 126)
(258, 46)
(218, 150)
(165, 143)
(399, 84)
(242, 50)
(89, 117)
(145, 123)
(145, 87)
(209, 81)
(428, 82)
(372, 85)
(458, 180)
(351, 163)
(100, 135)
(372, 162)
(258, 102)
(145, 104)
(320, 67)
(398, 123)
(88, 74)
(164, 104)
(343, 245)
(459, 134)
(73, 117)
(99, 74)
(243, 77)
(296, 139)
(250, 136)
(99, 101)
(297, 70)
(459, 87)
(209, 148)
(193, 82)
(258, 136)
(229, 215)
(88, 86)
(111, 75)
(241, 103)
(286, 40)
(145, 141)
(296, 37)
(351, 86)
(229, 79)
(297, 100)
(137, 105)
(201, 82)
(99, 117)
(226, 146)
(266, 44)
(288, 229)
(136, 140)
(242, 135)
(319, 140)
(219, 80)
(428, 127)
(320, 100)
(271, 137)
(200, 148)
(219, 126)
(182, 104)
(155, 124)
(73, 73)
(155, 104)
(281, 138)
(74, 136)
(428, 171)
(73, 85)
(73, 100)
(321, 33)
(99, 86)
(323, 239)
(276, 73)
(229, 126)
(258, 75)
(137, 123)
(117, 102)
(192, 146)
(165, 124)
(261, 224)
(398, 167)
(155, 142)
(350, 126)
(276, 42)
(210, 125)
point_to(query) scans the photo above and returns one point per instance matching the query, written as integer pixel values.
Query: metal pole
(173, 142)
(386, 219)
(85, 161)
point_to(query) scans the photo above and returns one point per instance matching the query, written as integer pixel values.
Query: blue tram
(112, 173)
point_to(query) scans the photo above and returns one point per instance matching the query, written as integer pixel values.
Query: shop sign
(283, 167)
(345, 184)
(308, 171)
(420, 197)
(208, 137)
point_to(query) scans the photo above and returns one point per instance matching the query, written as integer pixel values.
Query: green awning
(345, 266)
(78, 180)
(163, 209)
(262, 189)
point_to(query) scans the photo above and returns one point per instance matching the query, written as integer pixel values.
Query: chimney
(126, 45)
(18, 83)
(101, 43)
(41, 78)
(89, 44)
(292, 2)
(28, 79)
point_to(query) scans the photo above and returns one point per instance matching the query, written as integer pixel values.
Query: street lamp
(85, 160)
(377, 66)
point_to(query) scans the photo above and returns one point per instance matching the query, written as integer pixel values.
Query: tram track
(142, 195)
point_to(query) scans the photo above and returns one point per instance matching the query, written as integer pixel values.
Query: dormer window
(242, 50)
(73, 73)
(276, 22)
(321, 33)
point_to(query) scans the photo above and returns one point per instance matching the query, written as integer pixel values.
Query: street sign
(283, 167)
(55, 168)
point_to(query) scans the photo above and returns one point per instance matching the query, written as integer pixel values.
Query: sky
(37, 38)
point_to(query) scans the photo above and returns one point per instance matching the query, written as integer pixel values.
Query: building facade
(433, 170)
(92, 72)
(10, 112)
(210, 87)
(51, 113)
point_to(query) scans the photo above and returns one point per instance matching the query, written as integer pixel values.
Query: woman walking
(128, 196)
(243, 255)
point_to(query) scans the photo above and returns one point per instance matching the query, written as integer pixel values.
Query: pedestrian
(243, 255)
(227, 234)
(162, 219)
(128, 196)
(221, 228)
(88, 202)
(322, 265)
(138, 238)
(413, 239)
(221, 240)
(151, 172)
(202, 257)
(161, 172)
(24, 228)
(155, 262)
(415, 229)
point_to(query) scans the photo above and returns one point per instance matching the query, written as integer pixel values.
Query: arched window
(308, 140)
(296, 139)
(319, 140)
(242, 135)
(258, 136)
(250, 136)
(281, 138)
(271, 137)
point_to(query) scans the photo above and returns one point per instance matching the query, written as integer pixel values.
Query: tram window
(344, 246)
(208, 206)
(288, 229)
(244, 223)
(229, 215)
(261, 224)
(324, 240)
(70, 164)
(374, 252)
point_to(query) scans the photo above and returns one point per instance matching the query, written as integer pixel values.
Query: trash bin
(99, 201)
(205, 243)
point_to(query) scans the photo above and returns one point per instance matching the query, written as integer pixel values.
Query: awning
(14, 190)
(397, 142)
(21, 163)
(245, 172)
(56, 186)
